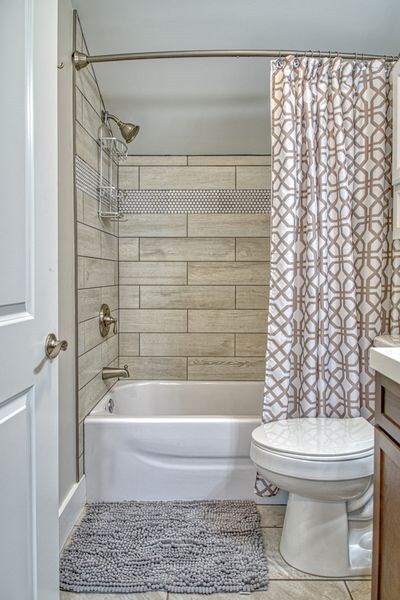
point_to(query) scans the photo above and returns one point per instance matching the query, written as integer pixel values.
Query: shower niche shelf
(112, 151)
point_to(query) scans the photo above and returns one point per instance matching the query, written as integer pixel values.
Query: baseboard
(70, 509)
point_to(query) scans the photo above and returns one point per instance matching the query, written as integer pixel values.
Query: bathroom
(199, 316)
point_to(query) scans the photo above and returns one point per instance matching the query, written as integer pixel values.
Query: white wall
(67, 391)
(217, 106)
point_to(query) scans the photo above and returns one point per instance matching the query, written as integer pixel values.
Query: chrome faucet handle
(115, 321)
(105, 320)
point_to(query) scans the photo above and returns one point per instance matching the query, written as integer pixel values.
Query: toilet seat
(315, 448)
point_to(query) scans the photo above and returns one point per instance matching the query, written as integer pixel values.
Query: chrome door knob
(53, 346)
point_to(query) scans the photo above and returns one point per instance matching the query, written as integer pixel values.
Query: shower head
(128, 130)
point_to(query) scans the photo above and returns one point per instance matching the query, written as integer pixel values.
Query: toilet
(327, 467)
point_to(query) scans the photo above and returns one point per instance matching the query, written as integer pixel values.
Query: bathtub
(172, 440)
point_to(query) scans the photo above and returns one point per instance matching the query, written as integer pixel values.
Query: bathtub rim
(98, 413)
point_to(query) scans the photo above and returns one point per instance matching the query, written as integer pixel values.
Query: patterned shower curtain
(335, 274)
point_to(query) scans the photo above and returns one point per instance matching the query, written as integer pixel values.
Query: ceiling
(217, 106)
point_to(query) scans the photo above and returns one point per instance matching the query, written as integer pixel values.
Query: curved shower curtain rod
(82, 60)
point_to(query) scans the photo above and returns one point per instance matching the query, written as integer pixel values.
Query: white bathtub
(173, 440)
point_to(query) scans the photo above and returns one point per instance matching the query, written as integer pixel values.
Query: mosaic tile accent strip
(195, 201)
(178, 201)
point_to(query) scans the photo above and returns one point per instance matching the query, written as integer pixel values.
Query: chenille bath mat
(183, 547)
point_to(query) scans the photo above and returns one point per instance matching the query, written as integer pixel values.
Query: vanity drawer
(387, 410)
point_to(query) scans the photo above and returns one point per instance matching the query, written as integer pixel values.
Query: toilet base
(319, 538)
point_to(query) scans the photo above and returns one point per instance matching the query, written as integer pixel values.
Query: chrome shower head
(128, 130)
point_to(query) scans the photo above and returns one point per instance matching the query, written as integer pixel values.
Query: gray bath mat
(186, 547)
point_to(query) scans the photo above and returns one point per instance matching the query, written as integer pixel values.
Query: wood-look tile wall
(194, 287)
(97, 256)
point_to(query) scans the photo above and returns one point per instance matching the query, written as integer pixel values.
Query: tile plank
(129, 248)
(233, 159)
(153, 367)
(187, 249)
(251, 249)
(228, 225)
(228, 273)
(128, 178)
(281, 590)
(155, 161)
(152, 225)
(129, 344)
(187, 178)
(220, 321)
(253, 178)
(137, 320)
(359, 590)
(129, 296)
(251, 344)
(193, 296)
(134, 273)
(230, 368)
(252, 296)
(98, 272)
(186, 344)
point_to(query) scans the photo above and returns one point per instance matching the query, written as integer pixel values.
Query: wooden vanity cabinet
(386, 544)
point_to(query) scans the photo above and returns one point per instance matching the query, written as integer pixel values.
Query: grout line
(348, 589)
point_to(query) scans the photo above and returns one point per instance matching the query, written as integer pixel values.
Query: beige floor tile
(272, 515)
(359, 590)
(147, 596)
(282, 590)
(278, 568)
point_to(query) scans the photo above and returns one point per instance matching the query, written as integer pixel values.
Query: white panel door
(28, 300)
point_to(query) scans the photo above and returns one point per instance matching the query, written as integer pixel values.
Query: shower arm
(82, 60)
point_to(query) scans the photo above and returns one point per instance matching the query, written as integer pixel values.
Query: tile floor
(286, 583)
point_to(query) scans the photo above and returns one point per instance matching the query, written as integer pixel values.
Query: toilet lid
(320, 437)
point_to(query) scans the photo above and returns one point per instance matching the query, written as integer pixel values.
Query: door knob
(53, 346)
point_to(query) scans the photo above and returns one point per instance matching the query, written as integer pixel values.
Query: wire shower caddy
(111, 152)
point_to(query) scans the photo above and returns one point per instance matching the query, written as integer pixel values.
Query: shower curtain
(335, 274)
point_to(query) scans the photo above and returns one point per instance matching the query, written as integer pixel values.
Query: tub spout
(113, 372)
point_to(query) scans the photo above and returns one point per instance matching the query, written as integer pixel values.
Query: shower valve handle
(106, 320)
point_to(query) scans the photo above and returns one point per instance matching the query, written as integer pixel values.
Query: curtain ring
(279, 62)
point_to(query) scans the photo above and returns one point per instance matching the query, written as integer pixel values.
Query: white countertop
(386, 361)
